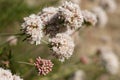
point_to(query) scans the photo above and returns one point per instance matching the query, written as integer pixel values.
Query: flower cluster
(50, 21)
(89, 17)
(32, 27)
(72, 16)
(62, 46)
(7, 75)
(58, 24)
(43, 66)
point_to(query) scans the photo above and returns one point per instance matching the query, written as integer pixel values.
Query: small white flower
(62, 46)
(5, 74)
(89, 17)
(110, 60)
(15, 77)
(108, 5)
(33, 27)
(101, 16)
(71, 13)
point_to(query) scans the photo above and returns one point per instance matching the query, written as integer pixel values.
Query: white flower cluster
(32, 27)
(72, 15)
(101, 16)
(89, 17)
(7, 75)
(108, 5)
(62, 46)
(58, 24)
(110, 60)
(50, 21)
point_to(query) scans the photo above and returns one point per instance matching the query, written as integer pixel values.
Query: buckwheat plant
(58, 24)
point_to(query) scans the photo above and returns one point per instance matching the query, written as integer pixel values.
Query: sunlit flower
(89, 17)
(32, 27)
(43, 66)
(62, 46)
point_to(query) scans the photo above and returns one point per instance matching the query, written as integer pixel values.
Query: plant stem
(25, 63)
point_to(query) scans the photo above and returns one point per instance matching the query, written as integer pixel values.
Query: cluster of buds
(43, 66)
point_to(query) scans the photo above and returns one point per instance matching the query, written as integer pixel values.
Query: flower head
(89, 17)
(72, 15)
(43, 66)
(5, 74)
(32, 27)
(62, 46)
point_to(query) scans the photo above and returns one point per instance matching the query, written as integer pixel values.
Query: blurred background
(84, 63)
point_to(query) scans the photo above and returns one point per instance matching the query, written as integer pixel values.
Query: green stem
(25, 63)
